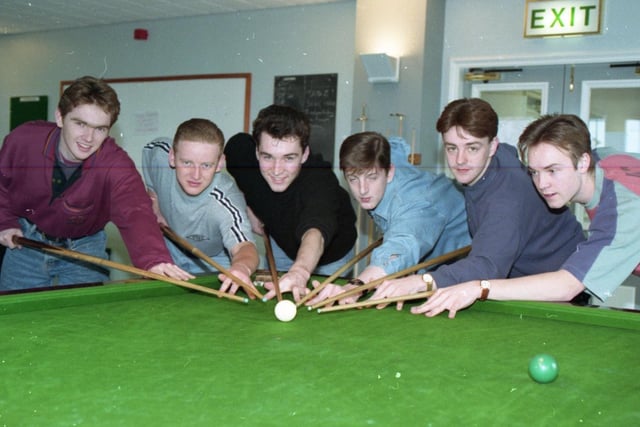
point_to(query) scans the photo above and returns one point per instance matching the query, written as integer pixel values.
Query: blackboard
(315, 95)
(151, 107)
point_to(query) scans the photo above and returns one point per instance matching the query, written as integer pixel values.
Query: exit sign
(562, 17)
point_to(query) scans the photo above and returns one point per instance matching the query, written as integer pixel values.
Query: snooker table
(146, 353)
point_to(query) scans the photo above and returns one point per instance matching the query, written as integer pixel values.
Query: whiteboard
(152, 107)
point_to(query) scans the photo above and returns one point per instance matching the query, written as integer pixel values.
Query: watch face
(428, 280)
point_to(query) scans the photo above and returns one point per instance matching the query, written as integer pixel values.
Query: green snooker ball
(543, 368)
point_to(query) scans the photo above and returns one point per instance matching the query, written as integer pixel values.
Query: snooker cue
(428, 263)
(126, 268)
(272, 265)
(185, 244)
(370, 302)
(341, 270)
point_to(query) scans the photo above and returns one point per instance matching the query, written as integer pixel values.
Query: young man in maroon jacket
(62, 182)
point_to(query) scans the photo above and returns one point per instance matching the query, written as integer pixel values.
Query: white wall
(298, 40)
(412, 30)
(310, 40)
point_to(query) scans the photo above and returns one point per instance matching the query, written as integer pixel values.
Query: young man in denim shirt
(421, 215)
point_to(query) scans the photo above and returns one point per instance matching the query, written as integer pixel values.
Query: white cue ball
(285, 310)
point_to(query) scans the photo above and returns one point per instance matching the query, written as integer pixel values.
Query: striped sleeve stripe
(236, 229)
(159, 143)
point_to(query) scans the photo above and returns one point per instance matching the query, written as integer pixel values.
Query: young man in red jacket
(62, 182)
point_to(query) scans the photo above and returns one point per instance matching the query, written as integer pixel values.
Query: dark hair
(199, 130)
(474, 115)
(281, 121)
(566, 132)
(90, 90)
(365, 150)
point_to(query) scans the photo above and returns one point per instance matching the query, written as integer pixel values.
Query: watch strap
(485, 285)
(428, 280)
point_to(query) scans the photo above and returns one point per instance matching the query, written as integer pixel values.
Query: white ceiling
(22, 16)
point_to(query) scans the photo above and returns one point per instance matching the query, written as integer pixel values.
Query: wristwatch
(428, 280)
(485, 285)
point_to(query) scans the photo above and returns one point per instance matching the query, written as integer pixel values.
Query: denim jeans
(32, 268)
(284, 263)
(193, 264)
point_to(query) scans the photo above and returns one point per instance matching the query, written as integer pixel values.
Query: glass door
(518, 94)
(612, 110)
(517, 104)
(606, 96)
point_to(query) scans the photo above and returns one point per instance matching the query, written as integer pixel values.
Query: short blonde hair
(199, 130)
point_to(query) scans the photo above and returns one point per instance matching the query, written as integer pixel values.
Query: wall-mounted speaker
(381, 68)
